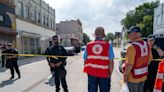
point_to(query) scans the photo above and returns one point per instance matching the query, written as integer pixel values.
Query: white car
(70, 50)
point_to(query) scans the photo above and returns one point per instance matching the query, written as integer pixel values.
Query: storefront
(29, 43)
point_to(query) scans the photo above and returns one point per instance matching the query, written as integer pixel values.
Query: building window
(33, 15)
(51, 24)
(38, 17)
(1, 19)
(158, 20)
(27, 12)
(44, 19)
(20, 9)
(47, 21)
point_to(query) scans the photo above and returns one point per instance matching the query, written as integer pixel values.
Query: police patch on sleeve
(97, 49)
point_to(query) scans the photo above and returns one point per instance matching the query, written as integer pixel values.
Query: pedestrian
(58, 64)
(99, 63)
(48, 58)
(51, 68)
(11, 60)
(137, 60)
(157, 53)
(4, 47)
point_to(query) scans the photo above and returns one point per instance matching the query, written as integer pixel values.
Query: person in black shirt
(3, 51)
(58, 64)
(153, 66)
(11, 60)
(48, 58)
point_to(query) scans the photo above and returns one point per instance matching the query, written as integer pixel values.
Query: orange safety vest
(97, 62)
(140, 68)
(159, 78)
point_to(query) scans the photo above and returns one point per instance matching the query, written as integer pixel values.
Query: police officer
(11, 60)
(58, 64)
(4, 47)
(99, 64)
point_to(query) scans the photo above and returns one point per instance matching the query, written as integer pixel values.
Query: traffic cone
(159, 78)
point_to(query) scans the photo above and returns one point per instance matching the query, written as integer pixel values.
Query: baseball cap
(134, 29)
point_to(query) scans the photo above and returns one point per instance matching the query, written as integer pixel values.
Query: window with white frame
(33, 15)
(44, 20)
(158, 20)
(20, 8)
(27, 12)
(47, 21)
(38, 17)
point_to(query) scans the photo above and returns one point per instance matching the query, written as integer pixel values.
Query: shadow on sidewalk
(7, 82)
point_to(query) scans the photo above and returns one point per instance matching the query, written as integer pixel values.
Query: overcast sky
(93, 13)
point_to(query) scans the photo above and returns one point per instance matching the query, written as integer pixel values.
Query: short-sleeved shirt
(130, 59)
(111, 55)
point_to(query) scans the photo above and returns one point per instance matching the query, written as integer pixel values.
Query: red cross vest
(97, 62)
(140, 68)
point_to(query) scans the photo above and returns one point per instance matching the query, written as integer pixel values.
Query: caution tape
(56, 57)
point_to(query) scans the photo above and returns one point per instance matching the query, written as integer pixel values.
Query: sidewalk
(24, 61)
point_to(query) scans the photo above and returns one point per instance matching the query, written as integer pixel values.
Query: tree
(86, 38)
(110, 36)
(142, 17)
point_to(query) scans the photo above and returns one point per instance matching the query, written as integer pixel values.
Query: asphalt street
(36, 76)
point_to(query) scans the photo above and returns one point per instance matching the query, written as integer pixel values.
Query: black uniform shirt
(56, 51)
(11, 51)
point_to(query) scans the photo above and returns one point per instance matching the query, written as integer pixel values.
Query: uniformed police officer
(11, 60)
(58, 64)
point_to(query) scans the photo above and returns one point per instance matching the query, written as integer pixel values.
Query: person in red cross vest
(137, 60)
(98, 57)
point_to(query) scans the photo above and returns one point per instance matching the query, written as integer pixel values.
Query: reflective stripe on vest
(157, 90)
(140, 71)
(98, 57)
(97, 66)
(159, 76)
(144, 48)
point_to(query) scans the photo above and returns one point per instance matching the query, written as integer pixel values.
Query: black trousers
(16, 68)
(60, 77)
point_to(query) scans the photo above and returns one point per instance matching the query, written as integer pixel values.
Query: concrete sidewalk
(24, 61)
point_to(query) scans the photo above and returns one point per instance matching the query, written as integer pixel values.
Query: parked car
(83, 48)
(70, 50)
(124, 46)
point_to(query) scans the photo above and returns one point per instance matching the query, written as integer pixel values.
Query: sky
(93, 13)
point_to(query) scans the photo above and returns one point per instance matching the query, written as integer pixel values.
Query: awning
(7, 31)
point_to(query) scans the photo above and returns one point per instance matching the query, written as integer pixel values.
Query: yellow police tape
(56, 57)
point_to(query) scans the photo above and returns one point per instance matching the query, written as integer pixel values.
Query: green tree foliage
(86, 39)
(142, 17)
(110, 36)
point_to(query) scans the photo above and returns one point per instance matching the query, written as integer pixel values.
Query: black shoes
(19, 76)
(12, 77)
